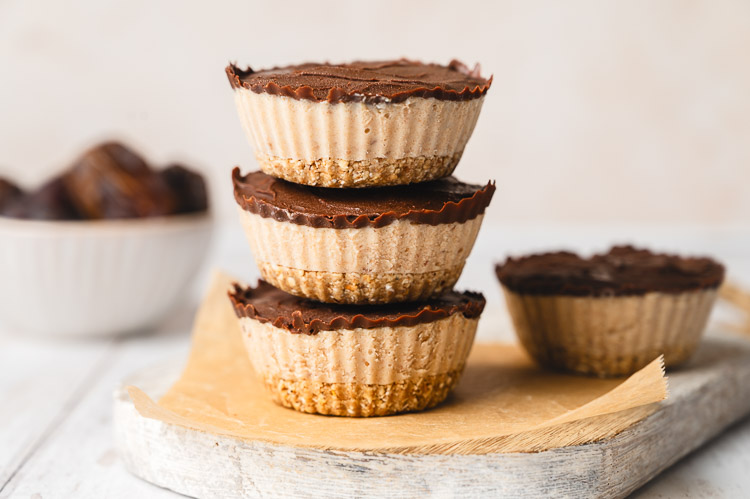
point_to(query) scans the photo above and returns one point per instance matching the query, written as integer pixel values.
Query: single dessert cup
(356, 360)
(357, 246)
(613, 313)
(361, 124)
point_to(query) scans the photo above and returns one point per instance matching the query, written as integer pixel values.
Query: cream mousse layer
(356, 144)
(610, 336)
(400, 247)
(398, 262)
(378, 356)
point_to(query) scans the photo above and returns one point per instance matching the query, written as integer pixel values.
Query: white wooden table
(56, 395)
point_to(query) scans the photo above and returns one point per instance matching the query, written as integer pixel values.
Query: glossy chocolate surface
(447, 200)
(364, 81)
(622, 271)
(299, 315)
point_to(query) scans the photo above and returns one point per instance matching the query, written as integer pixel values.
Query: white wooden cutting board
(705, 397)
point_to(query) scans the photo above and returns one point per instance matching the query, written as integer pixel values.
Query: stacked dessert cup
(359, 231)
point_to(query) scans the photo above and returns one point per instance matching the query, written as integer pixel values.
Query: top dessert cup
(360, 124)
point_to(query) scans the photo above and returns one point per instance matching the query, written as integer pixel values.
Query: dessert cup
(356, 360)
(379, 245)
(611, 314)
(361, 124)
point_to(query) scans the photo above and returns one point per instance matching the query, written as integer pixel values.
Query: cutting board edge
(200, 464)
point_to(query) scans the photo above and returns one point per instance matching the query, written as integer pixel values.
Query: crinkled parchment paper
(504, 402)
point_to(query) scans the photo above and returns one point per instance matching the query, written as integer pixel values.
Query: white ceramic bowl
(97, 278)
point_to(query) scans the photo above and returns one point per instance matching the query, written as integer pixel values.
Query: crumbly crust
(362, 400)
(359, 288)
(342, 173)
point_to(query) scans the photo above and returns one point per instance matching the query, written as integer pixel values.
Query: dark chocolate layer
(623, 271)
(362, 81)
(437, 202)
(267, 304)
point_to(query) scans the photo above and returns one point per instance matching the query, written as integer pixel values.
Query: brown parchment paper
(504, 402)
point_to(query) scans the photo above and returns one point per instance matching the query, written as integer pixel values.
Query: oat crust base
(362, 400)
(359, 288)
(331, 172)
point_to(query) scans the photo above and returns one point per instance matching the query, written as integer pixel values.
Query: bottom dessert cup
(356, 361)
(612, 314)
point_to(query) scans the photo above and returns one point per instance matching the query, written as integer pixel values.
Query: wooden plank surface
(717, 470)
(705, 397)
(65, 449)
(48, 376)
(54, 469)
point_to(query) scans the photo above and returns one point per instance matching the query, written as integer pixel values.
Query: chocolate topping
(361, 81)
(267, 304)
(433, 203)
(623, 271)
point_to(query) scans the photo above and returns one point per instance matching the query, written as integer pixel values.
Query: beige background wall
(633, 112)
